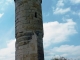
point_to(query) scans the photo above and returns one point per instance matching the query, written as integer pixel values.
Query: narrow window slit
(36, 14)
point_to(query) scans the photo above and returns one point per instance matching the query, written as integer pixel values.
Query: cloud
(9, 2)
(8, 53)
(4, 4)
(61, 10)
(69, 51)
(60, 3)
(55, 32)
(75, 1)
(76, 13)
(1, 14)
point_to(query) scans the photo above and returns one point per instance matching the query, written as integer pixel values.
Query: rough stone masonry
(28, 30)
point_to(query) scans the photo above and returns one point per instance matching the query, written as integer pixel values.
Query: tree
(61, 58)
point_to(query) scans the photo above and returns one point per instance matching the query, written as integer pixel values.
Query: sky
(61, 22)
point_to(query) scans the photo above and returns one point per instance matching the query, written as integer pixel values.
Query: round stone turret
(28, 30)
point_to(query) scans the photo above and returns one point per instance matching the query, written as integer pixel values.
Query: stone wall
(28, 30)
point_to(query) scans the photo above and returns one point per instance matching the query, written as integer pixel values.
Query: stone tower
(28, 30)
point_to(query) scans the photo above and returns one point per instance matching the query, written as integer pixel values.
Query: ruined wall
(28, 30)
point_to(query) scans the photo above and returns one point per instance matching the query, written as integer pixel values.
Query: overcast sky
(61, 28)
